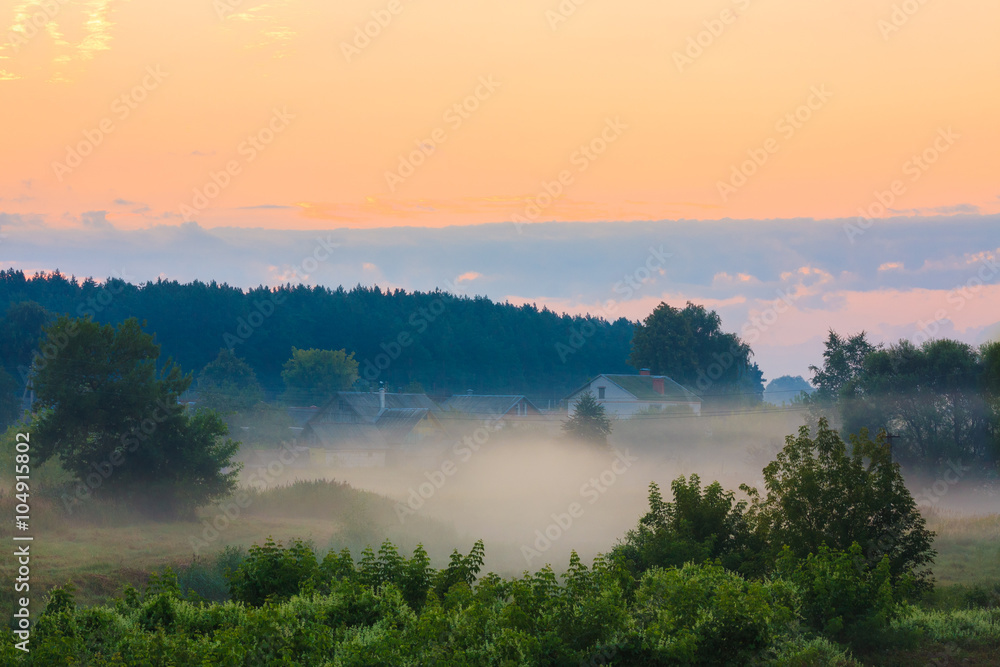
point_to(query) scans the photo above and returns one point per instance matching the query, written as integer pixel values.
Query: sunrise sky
(126, 122)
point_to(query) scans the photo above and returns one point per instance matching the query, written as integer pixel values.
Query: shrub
(272, 572)
(819, 493)
(842, 597)
(706, 615)
(697, 526)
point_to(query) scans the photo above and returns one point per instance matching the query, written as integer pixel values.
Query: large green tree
(689, 346)
(228, 384)
(311, 376)
(114, 420)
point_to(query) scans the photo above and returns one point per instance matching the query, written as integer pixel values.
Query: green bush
(697, 526)
(271, 572)
(842, 597)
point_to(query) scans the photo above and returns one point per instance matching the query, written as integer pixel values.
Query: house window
(600, 392)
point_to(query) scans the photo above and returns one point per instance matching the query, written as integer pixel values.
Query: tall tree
(589, 422)
(689, 346)
(228, 384)
(843, 361)
(311, 376)
(116, 424)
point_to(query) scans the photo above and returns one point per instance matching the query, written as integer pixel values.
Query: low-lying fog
(533, 497)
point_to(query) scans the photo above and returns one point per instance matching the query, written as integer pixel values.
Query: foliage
(706, 615)
(116, 424)
(20, 331)
(787, 390)
(312, 376)
(689, 346)
(228, 384)
(932, 397)
(456, 342)
(843, 360)
(844, 597)
(699, 525)
(271, 572)
(819, 493)
(589, 422)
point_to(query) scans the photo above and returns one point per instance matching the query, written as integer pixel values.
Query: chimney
(643, 371)
(658, 385)
(381, 398)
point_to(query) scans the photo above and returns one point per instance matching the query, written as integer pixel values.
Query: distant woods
(443, 343)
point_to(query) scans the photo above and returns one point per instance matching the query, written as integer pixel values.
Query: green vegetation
(228, 385)
(310, 374)
(705, 579)
(451, 343)
(115, 423)
(589, 423)
(690, 347)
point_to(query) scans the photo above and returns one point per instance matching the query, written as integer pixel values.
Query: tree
(115, 422)
(589, 422)
(843, 361)
(311, 376)
(819, 493)
(228, 384)
(787, 390)
(933, 397)
(690, 347)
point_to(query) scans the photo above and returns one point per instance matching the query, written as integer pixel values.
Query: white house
(624, 395)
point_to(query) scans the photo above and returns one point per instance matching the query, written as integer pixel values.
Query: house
(366, 429)
(625, 395)
(490, 408)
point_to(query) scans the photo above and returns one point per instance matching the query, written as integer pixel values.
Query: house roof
(396, 423)
(368, 405)
(641, 386)
(482, 404)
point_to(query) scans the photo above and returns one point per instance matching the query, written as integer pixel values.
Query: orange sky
(679, 126)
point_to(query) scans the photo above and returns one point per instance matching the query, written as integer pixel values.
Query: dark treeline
(448, 344)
